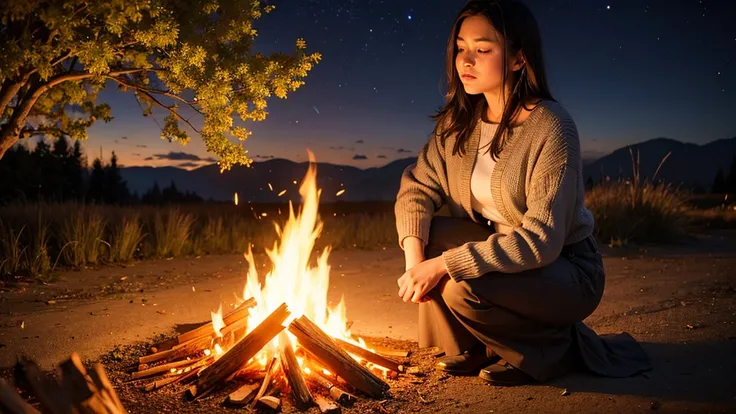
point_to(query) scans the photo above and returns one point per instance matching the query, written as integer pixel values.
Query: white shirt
(480, 182)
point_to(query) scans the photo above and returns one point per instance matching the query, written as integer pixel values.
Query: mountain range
(688, 165)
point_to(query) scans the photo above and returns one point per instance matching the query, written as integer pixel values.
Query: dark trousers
(531, 319)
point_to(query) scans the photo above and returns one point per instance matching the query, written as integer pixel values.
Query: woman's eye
(483, 51)
(460, 49)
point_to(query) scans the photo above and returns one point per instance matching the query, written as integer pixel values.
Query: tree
(730, 186)
(115, 190)
(188, 59)
(719, 183)
(96, 191)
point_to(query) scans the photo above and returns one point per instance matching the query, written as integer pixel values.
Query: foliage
(192, 58)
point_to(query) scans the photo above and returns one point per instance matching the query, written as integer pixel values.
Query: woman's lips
(468, 77)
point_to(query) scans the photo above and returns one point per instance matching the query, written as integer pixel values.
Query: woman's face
(479, 59)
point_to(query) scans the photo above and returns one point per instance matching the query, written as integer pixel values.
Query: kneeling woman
(504, 283)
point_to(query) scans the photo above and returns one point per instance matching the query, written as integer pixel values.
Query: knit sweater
(537, 185)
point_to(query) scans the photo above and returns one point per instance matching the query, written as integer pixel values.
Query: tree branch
(29, 132)
(156, 91)
(170, 109)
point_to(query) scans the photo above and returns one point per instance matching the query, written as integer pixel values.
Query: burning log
(329, 353)
(266, 382)
(207, 329)
(327, 406)
(369, 355)
(230, 334)
(302, 396)
(342, 397)
(239, 355)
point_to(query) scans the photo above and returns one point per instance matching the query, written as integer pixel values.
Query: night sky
(628, 71)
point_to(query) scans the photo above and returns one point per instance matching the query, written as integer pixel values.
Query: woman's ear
(518, 61)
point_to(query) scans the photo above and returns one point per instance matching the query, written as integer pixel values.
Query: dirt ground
(678, 301)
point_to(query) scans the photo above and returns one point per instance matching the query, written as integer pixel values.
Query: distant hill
(252, 183)
(690, 165)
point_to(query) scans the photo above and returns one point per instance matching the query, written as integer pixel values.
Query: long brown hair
(519, 30)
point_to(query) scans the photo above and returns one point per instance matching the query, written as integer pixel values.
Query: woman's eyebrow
(478, 39)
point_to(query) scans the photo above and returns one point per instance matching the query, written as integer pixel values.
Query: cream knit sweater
(537, 185)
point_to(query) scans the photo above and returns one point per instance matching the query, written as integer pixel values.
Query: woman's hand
(416, 282)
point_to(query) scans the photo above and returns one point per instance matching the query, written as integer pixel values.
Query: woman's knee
(457, 295)
(448, 232)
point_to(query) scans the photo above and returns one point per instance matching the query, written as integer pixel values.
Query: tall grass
(171, 230)
(83, 231)
(638, 210)
(126, 239)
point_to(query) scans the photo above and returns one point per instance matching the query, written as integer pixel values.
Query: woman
(504, 283)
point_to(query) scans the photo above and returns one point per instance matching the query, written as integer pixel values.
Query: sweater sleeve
(551, 203)
(422, 191)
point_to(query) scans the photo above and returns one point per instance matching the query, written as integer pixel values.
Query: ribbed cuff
(460, 263)
(413, 226)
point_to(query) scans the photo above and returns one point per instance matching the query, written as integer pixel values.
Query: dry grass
(34, 239)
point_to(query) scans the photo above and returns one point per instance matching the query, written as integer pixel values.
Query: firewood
(98, 376)
(242, 396)
(239, 355)
(343, 397)
(230, 334)
(329, 353)
(270, 366)
(11, 402)
(165, 368)
(293, 372)
(368, 355)
(46, 390)
(327, 406)
(270, 402)
(160, 383)
(206, 329)
(399, 353)
(85, 396)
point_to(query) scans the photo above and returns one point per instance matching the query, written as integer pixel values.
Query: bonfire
(281, 332)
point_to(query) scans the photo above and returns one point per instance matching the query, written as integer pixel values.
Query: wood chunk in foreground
(239, 355)
(11, 402)
(292, 370)
(242, 396)
(329, 353)
(327, 406)
(75, 391)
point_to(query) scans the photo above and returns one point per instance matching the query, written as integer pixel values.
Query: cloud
(137, 154)
(188, 164)
(141, 146)
(381, 156)
(148, 159)
(124, 138)
(178, 156)
(337, 148)
(402, 150)
(209, 159)
(360, 157)
(264, 157)
(360, 141)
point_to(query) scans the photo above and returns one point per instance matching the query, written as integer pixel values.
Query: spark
(315, 109)
(339, 193)
(282, 193)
